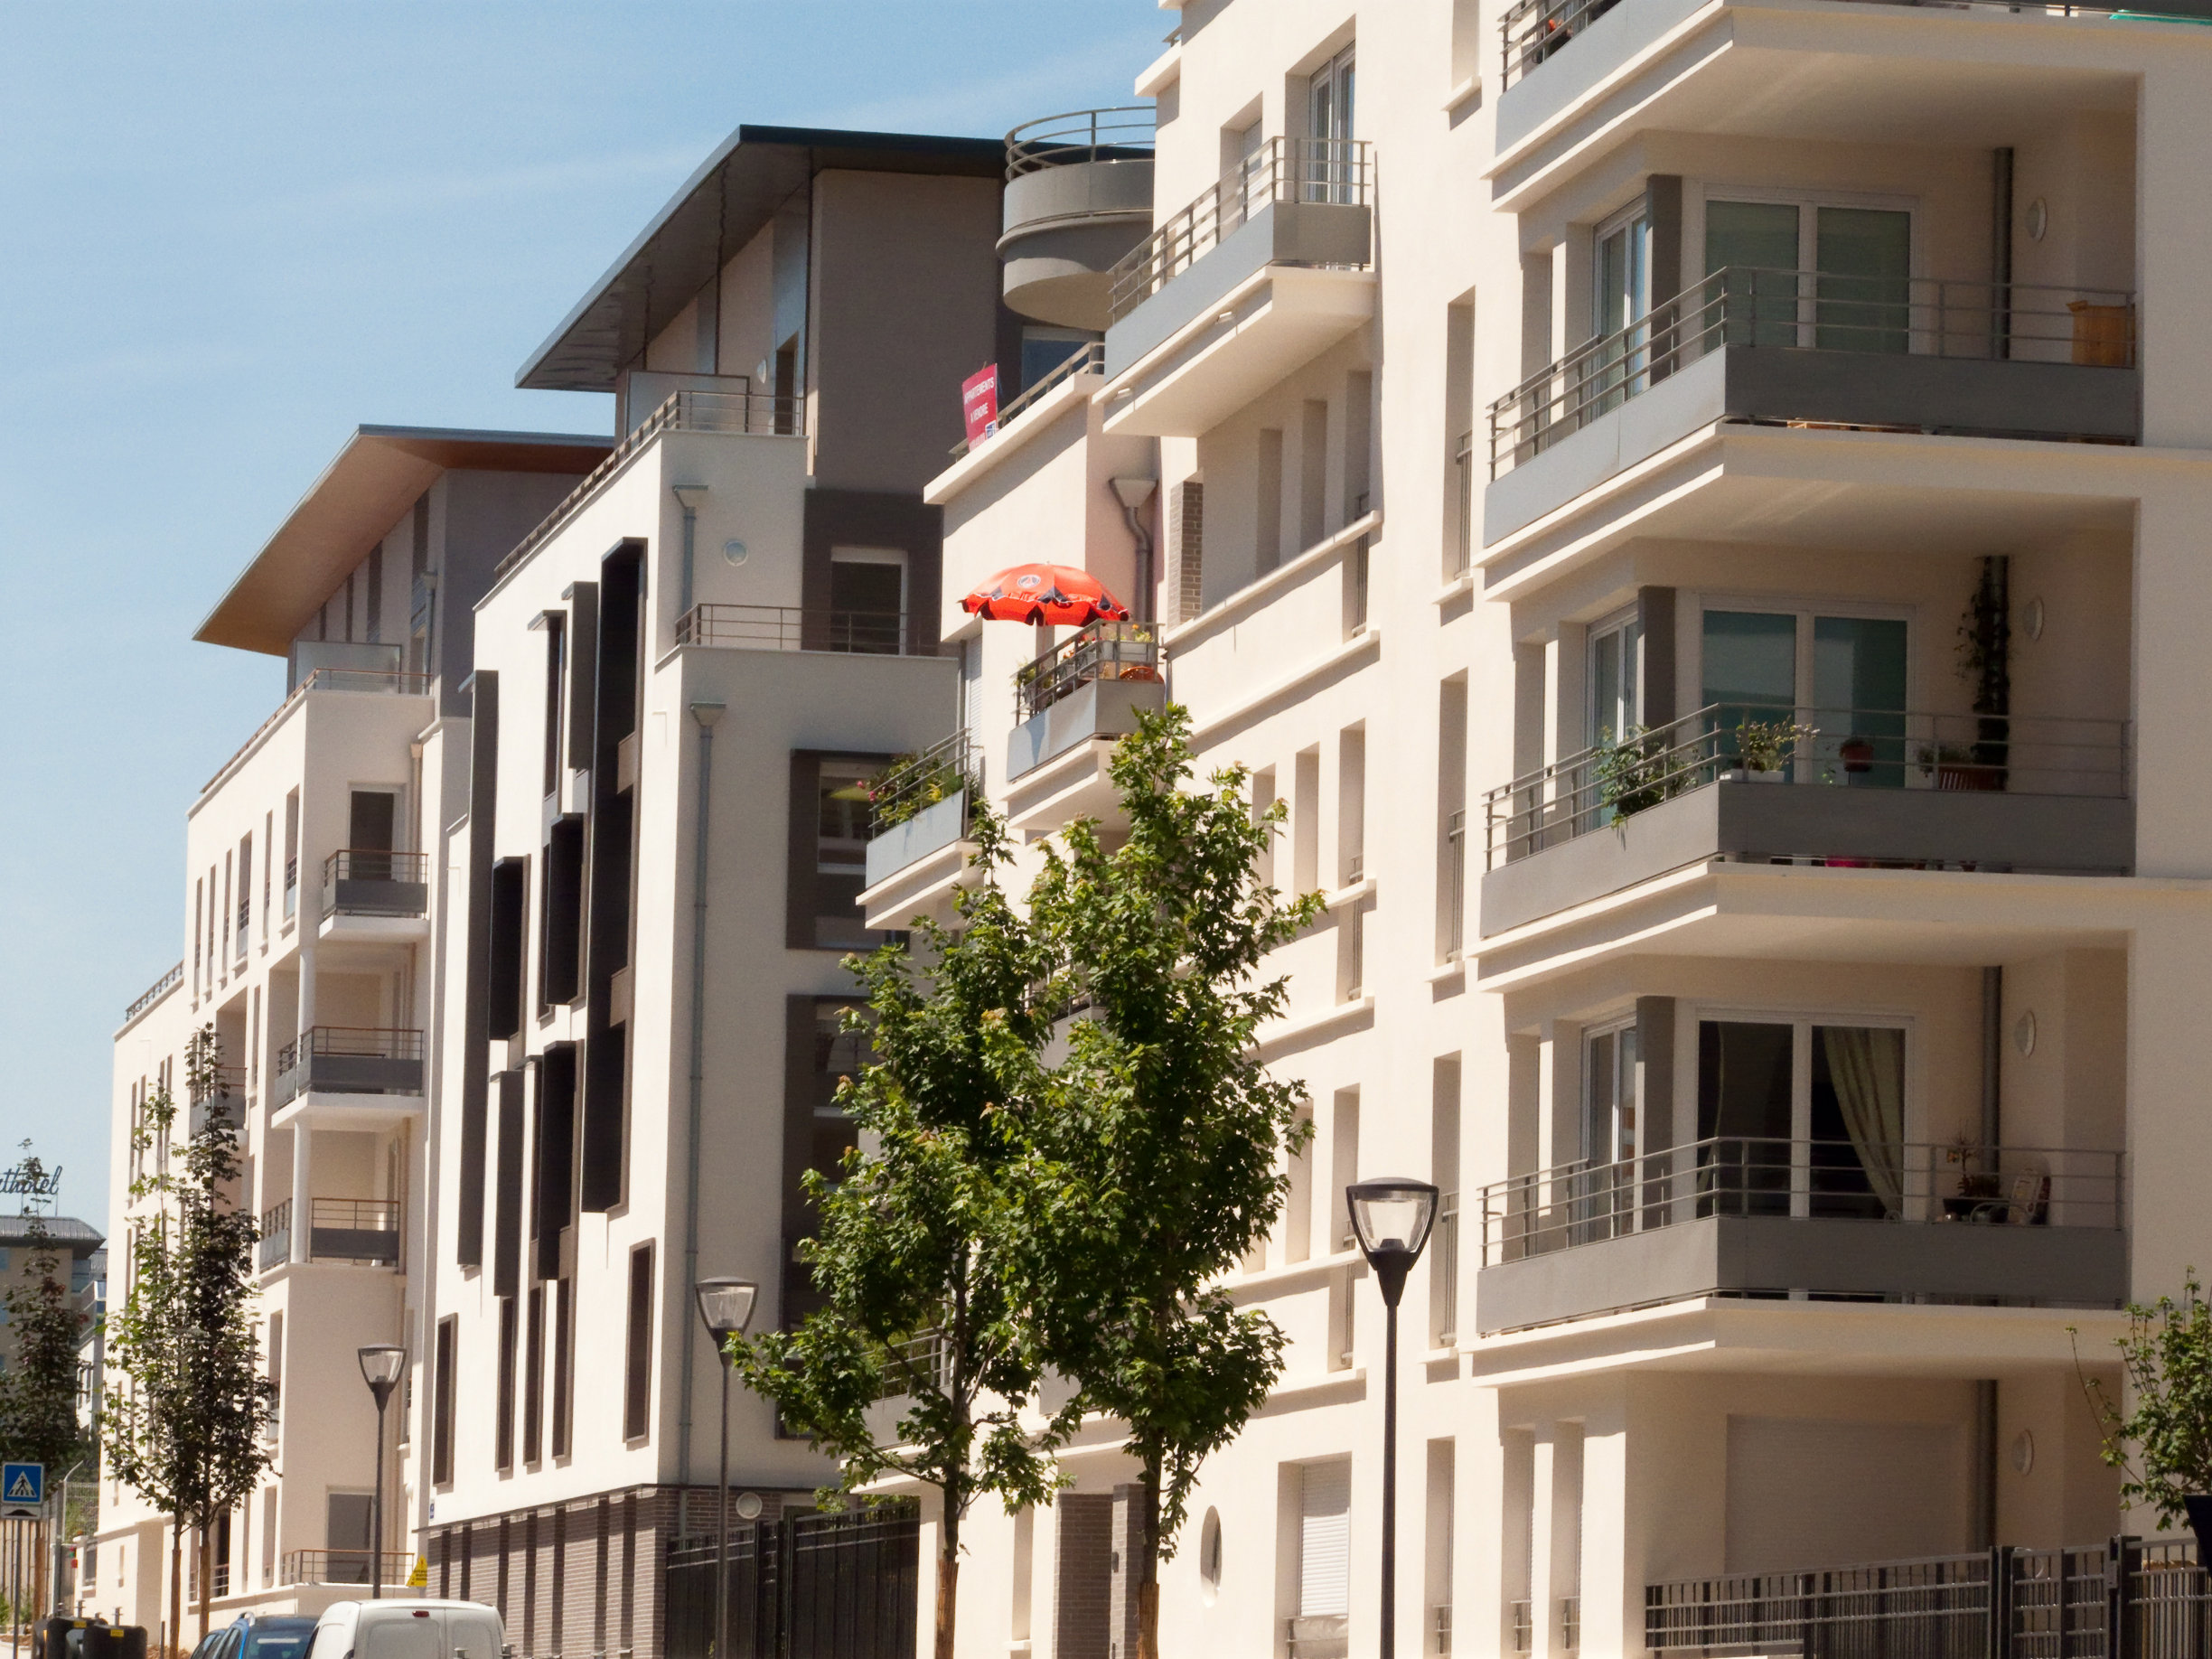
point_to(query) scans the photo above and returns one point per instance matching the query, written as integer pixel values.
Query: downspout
(1992, 1127)
(707, 715)
(1133, 493)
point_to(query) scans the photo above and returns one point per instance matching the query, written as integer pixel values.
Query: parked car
(408, 1629)
(258, 1635)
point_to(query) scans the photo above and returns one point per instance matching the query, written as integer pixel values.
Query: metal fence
(1086, 358)
(837, 1586)
(153, 993)
(790, 627)
(1293, 170)
(1746, 306)
(1099, 651)
(919, 781)
(1125, 133)
(275, 1229)
(2125, 1599)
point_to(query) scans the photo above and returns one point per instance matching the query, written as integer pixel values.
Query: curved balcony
(1078, 198)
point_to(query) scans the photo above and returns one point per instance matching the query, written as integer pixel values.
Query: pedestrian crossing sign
(22, 1489)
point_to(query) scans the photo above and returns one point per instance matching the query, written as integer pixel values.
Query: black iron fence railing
(1745, 305)
(1290, 170)
(2021, 755)
(916, 782)
(343, 1566)
(1121, 134)
(2125, 1599)
(790, 627)
(354, 1042)
(365, 881)
(835, 1586)
(1585, 1203)
(1098, 651)
(363, 1230)
(154, 992)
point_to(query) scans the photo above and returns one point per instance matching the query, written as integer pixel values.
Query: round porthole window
(736, 552)
(748, 1506)
(1210, 1558)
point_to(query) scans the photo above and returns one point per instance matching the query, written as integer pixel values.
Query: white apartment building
(314, 898)
(1501, 382)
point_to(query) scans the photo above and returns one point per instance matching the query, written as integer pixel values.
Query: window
(372, 823)
(868, 599)
(1620, 299)
(442, 1406)
(1615, 680)
(637, 1372)
(830, 918)
(560, 918)
(1845, 675)
(1800, 1117)
(348, 1530)
(504, 982)
(503, 1437)
(1330, 108)
(1324, 1540)
(533, 1376)
(1045, 348)
(1609, 1094)
(564, 1354)
(556, 625)
(1860, 298)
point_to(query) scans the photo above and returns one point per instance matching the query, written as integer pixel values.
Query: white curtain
(1867, 1064)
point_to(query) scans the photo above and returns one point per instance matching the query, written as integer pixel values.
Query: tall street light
(380, 1365)
(725, 1305)
(1391, 1216)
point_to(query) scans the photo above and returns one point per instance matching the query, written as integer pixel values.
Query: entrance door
(1328, 169)
(372, 822)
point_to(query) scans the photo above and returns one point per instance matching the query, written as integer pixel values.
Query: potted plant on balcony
(912, 783)
(1977, 1187)
(1634, 772)
(1765, 748)
(2167, 1358)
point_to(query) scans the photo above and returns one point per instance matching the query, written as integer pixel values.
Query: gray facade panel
(1102, 709)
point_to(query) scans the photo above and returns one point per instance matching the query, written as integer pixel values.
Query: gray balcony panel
(1277, 233)
(932, 829)
(1777, 383)
(2064, 1267)
(1099, 708)
(354, 1244)
(1597, 50)
(2078, 833)
(350, 1074)
(353, 896)
(1066, 227)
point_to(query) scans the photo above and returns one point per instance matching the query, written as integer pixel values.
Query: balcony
(1263, 272)
(921, 807)
(350, 1060)
(1835, 1220)
(276, 1247)
(364, 1230)
(359, 882)
(225, 1093)
(789, 627)
(344, 1566)
(1805, 349)
(1078, 197)
(1092, 685)
(1866, 789)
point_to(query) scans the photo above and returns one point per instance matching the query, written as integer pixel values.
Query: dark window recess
(442, 1406)
(583, 599)
(476, 1039)
(502, 1439)
(637, 1372)
(615, 687)
(371, 820)
(563, 1366)
(829, 852)
(552, 1142)
(556, 637)
(507, 1238)
(533, 1375)
(469, 1224)
(560, 915)
(817, 1134)
(503, 979)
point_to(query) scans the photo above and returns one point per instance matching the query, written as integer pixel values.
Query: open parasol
(1038, 594)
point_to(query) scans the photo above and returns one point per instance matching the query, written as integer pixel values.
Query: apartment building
(315, 894)
(1694, 507)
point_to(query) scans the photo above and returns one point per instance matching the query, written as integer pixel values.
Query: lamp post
(726, 1306)
(380, 1365)
(1391, 1217)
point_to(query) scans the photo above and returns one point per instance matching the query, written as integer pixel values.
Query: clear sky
(232, 231)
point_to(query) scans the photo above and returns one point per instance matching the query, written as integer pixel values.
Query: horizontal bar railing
(1125, 133)
(369, 864)
(1587, 1203)
(1087, 359)
(154, 992)
(1748, 307)
(354, 1042)
(790, 627)
(343, 1566)
(392, 682)
(1597, 787)
(744, 413)
(358, 1214)
(1097, 651)
(276, 1230)
(917, 782)
(1286, 170)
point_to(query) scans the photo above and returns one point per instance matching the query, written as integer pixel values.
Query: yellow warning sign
(420, 1578)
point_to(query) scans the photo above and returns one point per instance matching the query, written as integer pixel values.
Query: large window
(1858, 301)
(637, 1371)
(1799, 1116)
(1615, 680)
(1845, 676)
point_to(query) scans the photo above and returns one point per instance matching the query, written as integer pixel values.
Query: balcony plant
(1976, 1185)
(1767, 747)
(2166, 1357)
(912, 783)
(1636, 772)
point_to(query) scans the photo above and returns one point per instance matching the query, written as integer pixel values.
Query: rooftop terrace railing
(389, 682)
(1088, 359)
(1098, 651)
(790, 627)
(1125, 133)
(1291, 169)
(153, 993)
(1745, 305)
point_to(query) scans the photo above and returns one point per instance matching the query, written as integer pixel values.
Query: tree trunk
(175, 1633)
(948, 1603)
(1147, 1579)
(207, 1574)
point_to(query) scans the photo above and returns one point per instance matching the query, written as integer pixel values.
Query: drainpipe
(1992, 1060)
(1133, 493)
(688, 494)
(707, 715)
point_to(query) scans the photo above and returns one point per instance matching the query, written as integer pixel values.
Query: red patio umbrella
(1038, 594)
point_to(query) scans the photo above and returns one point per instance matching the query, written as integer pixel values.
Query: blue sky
(230, 232)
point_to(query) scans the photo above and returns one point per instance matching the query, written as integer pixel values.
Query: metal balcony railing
(153, 993)
(1585, 1203)
(365, 1229)
(745, 413)
(1744, 306)
(342, 1565)
(367, 882)
(351, 1060)
(1454, 920)
(919, 781)
(1597, 787)
(1098, 651)
(389, 682)
(291, 889)
(1122, 134)
(790, 627)
(1089, 359)
(276, 1246)
(1444, 1274)
(1288, 170)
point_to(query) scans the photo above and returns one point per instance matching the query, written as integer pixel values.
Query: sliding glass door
(1846, 677)
(1801, 1118)
(1812, 274)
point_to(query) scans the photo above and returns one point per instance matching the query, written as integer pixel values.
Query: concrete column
(2169, 1159)
(2174, 241)
(1543, 1577)
(1613, 1574)
(2172, 674)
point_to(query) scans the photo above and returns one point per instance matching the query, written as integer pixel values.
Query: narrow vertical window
(564, 1359)
(637, 1372)
(502, 1439)
(533, 1376)
(442, 1406)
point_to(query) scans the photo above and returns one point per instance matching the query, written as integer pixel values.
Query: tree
(1157, 1147)
(187, 1431)
(38, 1395)
(912, 1252)
(2167, 1356)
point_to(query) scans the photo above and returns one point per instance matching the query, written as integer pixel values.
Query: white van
(407, 1629)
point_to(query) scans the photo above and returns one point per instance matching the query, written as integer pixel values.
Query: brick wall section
(1185, 524)
(1082, 1575)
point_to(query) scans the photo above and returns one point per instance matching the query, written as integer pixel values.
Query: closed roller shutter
(1325, 1538)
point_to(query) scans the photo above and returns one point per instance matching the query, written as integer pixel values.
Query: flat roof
(720, 208)
(69, 1234)
(346, 511)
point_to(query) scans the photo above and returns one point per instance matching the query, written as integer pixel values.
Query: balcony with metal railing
(1262, 272)
(350, 1060)
(920, 807)
(362, 1231)
(1840, 788)
(223, 1092)
(1853, 1220)
(1816, 349)
(343, 1566)
(153, 993)
(1078, 197)
(276, 1247)
(366, 882)
(790, 627)
(1092, 684)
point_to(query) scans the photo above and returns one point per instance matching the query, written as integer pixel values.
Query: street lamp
(380, 1365)
(726, 1306)
(1391, 1216)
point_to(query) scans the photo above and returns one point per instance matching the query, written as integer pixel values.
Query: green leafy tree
(38, 1393)
(187, 1430)
(2167, 1356)
(1156, 1146)
(919, 1361)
